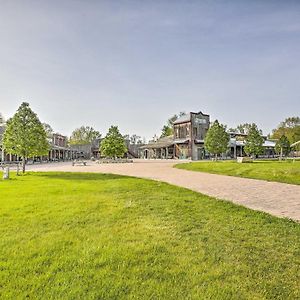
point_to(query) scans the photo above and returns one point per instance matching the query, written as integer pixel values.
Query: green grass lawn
(93, 236)
(284, 171)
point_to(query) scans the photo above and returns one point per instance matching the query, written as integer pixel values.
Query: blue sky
(135, 63)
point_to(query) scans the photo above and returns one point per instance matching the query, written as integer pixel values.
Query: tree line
(26, 136)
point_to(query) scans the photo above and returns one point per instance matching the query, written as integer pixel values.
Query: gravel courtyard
(279, 199)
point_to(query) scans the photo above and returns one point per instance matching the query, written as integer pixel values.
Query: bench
(244, 159)
(78, 162)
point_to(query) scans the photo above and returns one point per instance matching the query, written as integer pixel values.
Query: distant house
(237, 143)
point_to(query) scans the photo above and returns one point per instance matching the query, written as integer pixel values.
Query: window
(195, 131)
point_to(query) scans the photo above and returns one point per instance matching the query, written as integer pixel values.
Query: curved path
(279, 199)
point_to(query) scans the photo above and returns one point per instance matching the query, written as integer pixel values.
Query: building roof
(181, 141)
(183, 119)
(295, 144)
(235, 142)
(235, 134)
(56, 147)
(268, 143)
(160, 143)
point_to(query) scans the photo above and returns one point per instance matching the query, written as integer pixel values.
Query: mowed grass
(280, 171)
(93, 236)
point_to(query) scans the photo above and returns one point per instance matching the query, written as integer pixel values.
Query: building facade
(238, 141)
(189, 133)
(88, 151)
(187, 141)
(59, 149)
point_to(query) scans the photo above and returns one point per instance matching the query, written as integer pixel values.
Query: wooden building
(187, 142)
(162, 148)
(59, 149)
(189, 133)
(88, 151)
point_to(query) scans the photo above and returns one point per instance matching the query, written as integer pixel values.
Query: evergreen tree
(217, 139)
(113, 145)
(254, 141)
(283, 146)
(25, 135)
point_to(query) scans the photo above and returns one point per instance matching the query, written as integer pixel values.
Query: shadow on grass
(79, 176)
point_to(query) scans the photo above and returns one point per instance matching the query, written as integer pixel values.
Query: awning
(163, 142)
(181, 141)
(157, 145)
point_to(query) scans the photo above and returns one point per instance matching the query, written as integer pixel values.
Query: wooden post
(2, 154)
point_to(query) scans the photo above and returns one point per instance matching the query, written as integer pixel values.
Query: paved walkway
(279, 199)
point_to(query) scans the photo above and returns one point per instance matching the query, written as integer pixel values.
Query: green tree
(243, 128)
(113, 145)
(25, 135)
(290, 127)
(217, 139)
(48, 129)
(135, 139)
(166, 131)
(84, 135)
(168, 128)
(283, 146)
(254, 141)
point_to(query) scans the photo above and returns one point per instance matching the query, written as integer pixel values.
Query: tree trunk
(23, 164)
(280, 153)
(216, 157)
(18, 167)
